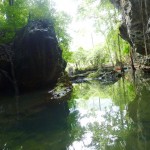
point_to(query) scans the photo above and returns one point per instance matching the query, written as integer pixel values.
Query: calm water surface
(98, 116)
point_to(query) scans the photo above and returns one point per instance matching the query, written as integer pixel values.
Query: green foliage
(39, 9)
(126, 49)
(12, 18)
(79, 57)
(104, 112)
(61, 21)
(100, 56)
(106, 22)
(93, 58)
(93, 75)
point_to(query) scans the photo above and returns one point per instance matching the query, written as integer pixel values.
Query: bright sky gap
(81, 31)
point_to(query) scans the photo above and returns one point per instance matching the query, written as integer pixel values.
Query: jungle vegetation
(106, 21)
(15, 14)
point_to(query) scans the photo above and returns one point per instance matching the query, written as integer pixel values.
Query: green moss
(93, 75)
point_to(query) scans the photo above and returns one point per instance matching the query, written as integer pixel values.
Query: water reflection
(109, 114)
(38, 126)
(101, 115)
(98, 117)
(140, 113)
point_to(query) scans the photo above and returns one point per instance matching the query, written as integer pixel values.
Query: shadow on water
(98, 117)
(140, 113)
(38, 125)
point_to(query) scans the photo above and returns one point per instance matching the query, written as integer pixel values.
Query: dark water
(98, 117)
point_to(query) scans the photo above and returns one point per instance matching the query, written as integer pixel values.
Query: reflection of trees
(76, 131)
(121, 92)
(116, 132)
(112, 133)
(52, 126)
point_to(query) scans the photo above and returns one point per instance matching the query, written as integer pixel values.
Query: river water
(98, 116)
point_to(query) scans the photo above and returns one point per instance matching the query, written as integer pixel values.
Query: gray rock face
(136, 21)
(38, 58)
(33, 60)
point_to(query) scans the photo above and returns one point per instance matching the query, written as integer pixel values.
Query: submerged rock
(59, 95)
(62, 91)
(107, 77)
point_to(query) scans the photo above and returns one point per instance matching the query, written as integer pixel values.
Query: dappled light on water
(94, 113)
(100, 118)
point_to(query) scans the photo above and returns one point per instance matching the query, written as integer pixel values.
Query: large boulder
(6, 65)
(38, 57)
(136, 14)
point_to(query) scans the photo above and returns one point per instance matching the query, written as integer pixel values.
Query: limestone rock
(38, 58)
(136, 16)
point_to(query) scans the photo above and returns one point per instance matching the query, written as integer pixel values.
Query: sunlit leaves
(61, 21)
(110, 129)
(126, 49)
(95, 57)
(39, 9)
(106, 21)
(12, 18)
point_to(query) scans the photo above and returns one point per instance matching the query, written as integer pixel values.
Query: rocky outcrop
(37, 57)
(136, 23)
(62, 90)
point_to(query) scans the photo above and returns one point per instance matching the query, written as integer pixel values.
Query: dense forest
(106, 21)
